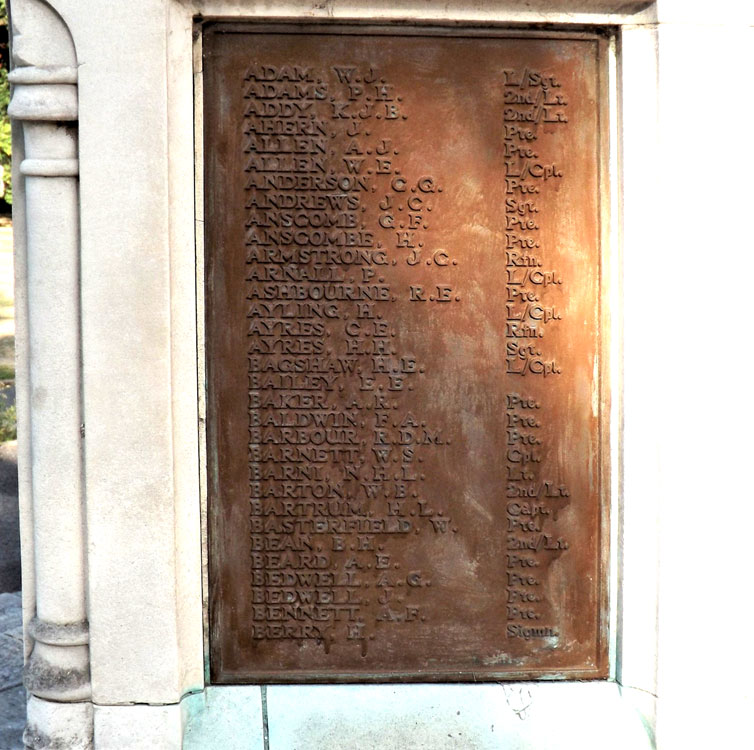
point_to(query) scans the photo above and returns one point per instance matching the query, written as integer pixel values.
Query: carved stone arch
(45, 103)
(41, 38)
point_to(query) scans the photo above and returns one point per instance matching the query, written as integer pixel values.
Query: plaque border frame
(605, 36)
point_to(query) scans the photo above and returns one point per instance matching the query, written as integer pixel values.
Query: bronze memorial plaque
(407, 385)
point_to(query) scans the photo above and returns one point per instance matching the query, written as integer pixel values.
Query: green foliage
(7, 423)
(4, 120)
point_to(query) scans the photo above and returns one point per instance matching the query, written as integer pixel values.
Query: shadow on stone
(12, 717)
(10, 549)
(12, 693)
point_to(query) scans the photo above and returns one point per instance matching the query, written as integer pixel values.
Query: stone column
(44, 100)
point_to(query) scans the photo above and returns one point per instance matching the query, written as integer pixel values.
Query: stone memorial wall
(374, 343)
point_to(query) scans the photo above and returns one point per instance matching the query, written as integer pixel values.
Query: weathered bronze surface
(407, 473)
